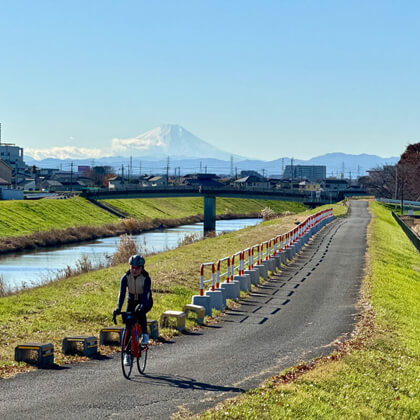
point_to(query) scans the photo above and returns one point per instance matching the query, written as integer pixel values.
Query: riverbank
(83, 304)
(375, 374)
(45, 223)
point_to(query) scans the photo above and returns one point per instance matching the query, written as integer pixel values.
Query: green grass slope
(22, 217)
(163, 208)
(378, 375)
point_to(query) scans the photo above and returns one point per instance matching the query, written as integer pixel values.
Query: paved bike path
(294, 316)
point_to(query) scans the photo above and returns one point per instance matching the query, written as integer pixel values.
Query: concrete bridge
(209, 194)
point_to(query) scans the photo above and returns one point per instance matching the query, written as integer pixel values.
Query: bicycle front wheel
(142, 359)
(126, 356)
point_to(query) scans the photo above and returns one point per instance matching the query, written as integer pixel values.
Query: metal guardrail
(406, 203)
(408, 231)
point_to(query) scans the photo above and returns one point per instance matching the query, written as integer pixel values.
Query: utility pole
(402, 198)
(131, 169)
(201, 167)
(231, 166)
(122, 172)
(167, 172)
(71, 177)
(282, 166)
(396, 182)
(402, 179)
(293, 172)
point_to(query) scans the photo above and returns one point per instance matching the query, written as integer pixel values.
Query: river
(35, 267)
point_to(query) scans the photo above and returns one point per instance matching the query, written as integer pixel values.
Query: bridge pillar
(209, 213)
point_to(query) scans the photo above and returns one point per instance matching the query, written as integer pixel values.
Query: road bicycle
(131, 345)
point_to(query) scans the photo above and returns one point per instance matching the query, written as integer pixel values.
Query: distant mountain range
(149, 154)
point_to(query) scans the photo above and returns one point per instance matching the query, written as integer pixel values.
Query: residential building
(27, 184)
(6, 190)
(51, 185)
(202, 180)
(155, 181)
(252, 181)
(335, 185)
(13, 156)
(118, 183)
(5, 172)
(251, 173)
(309, 172)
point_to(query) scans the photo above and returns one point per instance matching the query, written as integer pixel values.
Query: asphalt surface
(297, 315)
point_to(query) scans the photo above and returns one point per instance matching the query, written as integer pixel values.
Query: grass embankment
(377, 374)
(82, 305)
(32, 224)
(162, 208)
(22, 217)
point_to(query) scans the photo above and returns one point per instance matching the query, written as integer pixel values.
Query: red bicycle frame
(135, 333)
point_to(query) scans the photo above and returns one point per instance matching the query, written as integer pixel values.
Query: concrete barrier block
(232, 290)
(86, 345)
(202, 301)
(268, 265)
(110, 336)
(40, 354)
(199, 311)
(216, 299)
(254, 276)
(178, 316)
(153, 328)
(244, 282)
(283, 256)
(262, 270)
(277, 261)
(223, 291)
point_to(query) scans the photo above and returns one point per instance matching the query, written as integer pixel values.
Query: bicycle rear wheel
(142, 359)
(126, 351)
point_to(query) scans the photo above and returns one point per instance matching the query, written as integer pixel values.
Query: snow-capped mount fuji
(167, 140)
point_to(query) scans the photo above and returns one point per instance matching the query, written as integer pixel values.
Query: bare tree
(381, 182)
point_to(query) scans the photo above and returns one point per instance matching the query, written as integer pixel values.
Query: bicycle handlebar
(123, 315)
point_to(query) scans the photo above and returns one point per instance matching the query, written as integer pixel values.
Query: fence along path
(271, 256)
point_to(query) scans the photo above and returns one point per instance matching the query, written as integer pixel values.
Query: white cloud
(65, 152)
(152, 138)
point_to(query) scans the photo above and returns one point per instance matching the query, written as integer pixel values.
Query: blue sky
(264, 79)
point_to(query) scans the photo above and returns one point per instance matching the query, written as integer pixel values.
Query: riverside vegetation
(376, 374)
(48, 222)
(83, 304)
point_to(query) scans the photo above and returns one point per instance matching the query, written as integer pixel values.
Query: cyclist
(139, 299)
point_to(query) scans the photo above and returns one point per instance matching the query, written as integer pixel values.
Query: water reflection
(33, 267)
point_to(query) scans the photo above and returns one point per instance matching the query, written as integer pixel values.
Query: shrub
(126, 248)
(267, 213)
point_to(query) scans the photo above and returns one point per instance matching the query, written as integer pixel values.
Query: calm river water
(32, 268)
